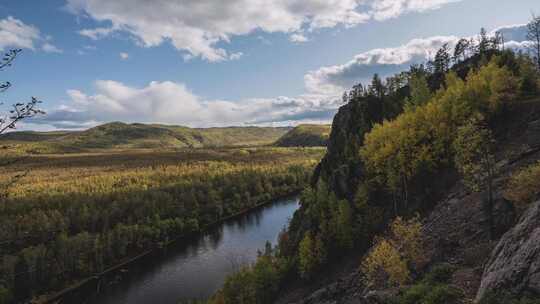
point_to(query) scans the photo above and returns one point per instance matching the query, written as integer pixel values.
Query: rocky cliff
(457, 229)
(514, 265)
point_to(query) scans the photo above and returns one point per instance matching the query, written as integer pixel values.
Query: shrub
(5, 295)
(425, 293)
(385, 265)
(255, 284)
(442, 294)
(407, 236)
(524, 186)
(415, 294)
(440, 274)
(506, 298)
(391, 260)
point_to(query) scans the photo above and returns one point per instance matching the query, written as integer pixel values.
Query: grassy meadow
(117, 135)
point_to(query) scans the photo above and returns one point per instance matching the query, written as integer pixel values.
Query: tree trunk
(395, 203)
(490, 209)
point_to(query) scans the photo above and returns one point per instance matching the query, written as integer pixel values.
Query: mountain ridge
(305, 135)
(119, 135)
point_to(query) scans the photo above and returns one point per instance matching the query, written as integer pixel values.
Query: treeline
(62, 224)
(394, 148)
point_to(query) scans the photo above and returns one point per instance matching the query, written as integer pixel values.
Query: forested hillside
(119, 135)
(396, 149)
(305, 136)
(74, 215)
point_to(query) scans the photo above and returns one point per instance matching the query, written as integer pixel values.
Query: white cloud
(515, 37)
(388, 61)
(386, 9)
(124, 56)
(96, 33)
(86, 49)
(517, 32)
(236, 56)
(49, 48)
(16, 34)
(384, 61)
(198, 27)
(298, 38)
(172, 103)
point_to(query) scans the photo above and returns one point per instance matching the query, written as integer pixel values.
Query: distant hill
(117, 135)
(305, 136)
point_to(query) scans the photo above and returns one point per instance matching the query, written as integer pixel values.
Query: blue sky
(211, 63)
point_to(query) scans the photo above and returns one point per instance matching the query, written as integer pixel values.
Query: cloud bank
(385, 62)
(173, 103)
(388, 61)
(200, 27)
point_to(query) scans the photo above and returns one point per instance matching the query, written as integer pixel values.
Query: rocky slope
(514, 264)
(456, 230)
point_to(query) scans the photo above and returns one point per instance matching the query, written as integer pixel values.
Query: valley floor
(71, 216)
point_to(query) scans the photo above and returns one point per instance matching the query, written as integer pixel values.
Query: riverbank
(114, 273)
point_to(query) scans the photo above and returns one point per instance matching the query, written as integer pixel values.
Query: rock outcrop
(533, 134)
(514, 265)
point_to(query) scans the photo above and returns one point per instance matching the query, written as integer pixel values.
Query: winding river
(197, 268)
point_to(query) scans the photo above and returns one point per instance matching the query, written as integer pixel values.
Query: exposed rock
(341, 168)
(380, 296)
(347, 290)
(514, 265)
(533, 134)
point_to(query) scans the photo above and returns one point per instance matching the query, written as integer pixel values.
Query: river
(197, 268)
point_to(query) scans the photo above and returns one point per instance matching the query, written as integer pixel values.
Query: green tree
(312, 253)
(5, 295)
(420, 92)
(461, 49)
(266, 279)
(475, 160)
(22, 284)
(441, 62)
(344, 225)
(377, 87)
(391, 259)
(484, 42)
(529, 80)
(533, 34)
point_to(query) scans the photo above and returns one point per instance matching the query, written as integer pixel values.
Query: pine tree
(420, 92)
(483, 45)
(534, 35)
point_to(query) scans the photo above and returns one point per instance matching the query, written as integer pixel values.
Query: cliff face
(456, 230)
(305, 136)
(514, 265)
(341, 167)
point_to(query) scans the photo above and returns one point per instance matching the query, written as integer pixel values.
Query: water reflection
(197, 268)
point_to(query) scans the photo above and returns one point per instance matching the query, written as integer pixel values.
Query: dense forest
(70, 216)
(395, 147)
